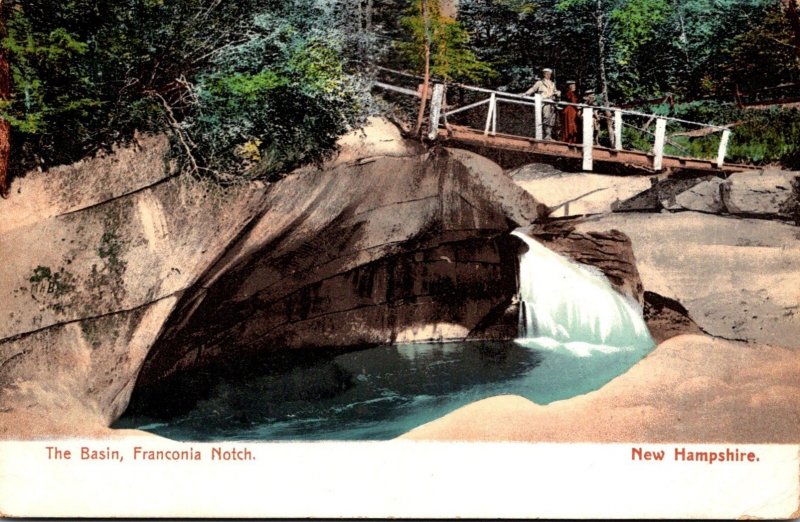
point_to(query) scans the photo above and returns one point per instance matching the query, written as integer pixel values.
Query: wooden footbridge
(479, 131)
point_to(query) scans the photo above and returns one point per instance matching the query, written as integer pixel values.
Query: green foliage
(648, 48)
(276, 100)
(635, 23)
(771, 136)
(760, 55)
(45, 71)
(758, 136)
(450, 56)
(267, 78)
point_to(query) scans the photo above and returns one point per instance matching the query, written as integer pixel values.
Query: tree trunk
(426, 79)
(601, 50)
(5, 94)
(794, 21)
(425, 82)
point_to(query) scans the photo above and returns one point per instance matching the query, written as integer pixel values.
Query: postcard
(400, 259)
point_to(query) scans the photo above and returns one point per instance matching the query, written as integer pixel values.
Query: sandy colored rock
(577, 193)
(738, 278)
(379, 138)
(765, 193)
(512, 201)
(706, 197)
(68, 188)
(689, 389)
(92, 281)
(391, 250)
(125, 253)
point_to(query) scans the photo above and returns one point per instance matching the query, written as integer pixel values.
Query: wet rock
(610, 251)
(667, 318)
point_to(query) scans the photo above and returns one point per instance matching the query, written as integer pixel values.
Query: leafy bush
(252, 86)
(279, 99)
(758, 136)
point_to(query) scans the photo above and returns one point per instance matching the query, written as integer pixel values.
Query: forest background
(254, 88)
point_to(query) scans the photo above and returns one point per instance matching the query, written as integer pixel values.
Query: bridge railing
(625, 129)
(617, 122)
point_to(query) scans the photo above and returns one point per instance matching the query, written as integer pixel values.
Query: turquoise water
(577, 332)
(383, 392)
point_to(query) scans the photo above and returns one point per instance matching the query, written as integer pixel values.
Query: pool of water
(380, 393)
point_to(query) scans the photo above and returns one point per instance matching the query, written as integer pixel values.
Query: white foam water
(575, 306)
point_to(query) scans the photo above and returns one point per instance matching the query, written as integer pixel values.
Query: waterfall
(568, 305)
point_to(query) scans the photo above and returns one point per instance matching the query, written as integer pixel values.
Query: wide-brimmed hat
(547, 69)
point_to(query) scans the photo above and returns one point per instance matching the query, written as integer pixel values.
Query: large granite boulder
(92, 273)
(737, 278)
(575, 194)
(768, 193)
(705, 196)
(390, 250)
(131, 267)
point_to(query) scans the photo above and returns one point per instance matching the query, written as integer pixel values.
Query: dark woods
(253, 88)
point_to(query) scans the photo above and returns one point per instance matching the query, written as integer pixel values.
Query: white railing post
(618, 129)
(494, 118)
(658, 146)
(723, 147)
(436, 110)
(588, 137)
(537, 101)
(490, 114)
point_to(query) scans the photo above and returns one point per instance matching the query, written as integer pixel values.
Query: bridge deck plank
(568, 150)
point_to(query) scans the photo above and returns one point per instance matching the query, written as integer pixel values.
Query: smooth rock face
(85, 369)
(363, 251)
(116, 256)
(575, 194)
(89, 283)
(706, 196)
(391, 250)
(737, 278)
(40, 195)
(767, 193)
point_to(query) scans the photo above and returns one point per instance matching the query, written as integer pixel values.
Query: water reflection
(383, 392)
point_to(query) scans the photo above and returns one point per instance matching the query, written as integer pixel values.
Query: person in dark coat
(569, 130)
